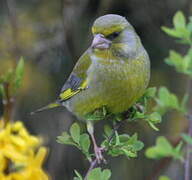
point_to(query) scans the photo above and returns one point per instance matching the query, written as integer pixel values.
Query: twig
(116, 127)
(94, 163)
(7, 103)
(189, 146)
(163, 163)
(188, 155)
(92, 166)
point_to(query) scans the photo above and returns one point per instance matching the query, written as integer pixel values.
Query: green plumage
(116, 77)
(112, 74)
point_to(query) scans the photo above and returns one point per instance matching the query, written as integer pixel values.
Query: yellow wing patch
(68, 93)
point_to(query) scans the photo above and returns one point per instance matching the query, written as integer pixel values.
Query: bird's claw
(139, 107)
(99, 155)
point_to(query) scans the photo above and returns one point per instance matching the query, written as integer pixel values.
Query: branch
(189, 146)
(7, 104)
(164, 163)
(94, 163)
(188, 156)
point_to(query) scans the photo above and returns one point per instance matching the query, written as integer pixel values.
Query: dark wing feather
(73, 82)
(77, 81)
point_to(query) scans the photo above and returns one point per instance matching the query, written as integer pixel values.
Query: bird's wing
(77, 81)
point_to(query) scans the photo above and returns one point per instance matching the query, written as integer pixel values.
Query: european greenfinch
(113, 73)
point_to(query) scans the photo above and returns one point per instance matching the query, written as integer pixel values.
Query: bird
(112, 73)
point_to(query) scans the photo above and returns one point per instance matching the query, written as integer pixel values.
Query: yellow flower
(21, 157)
(33, 168)
(3, 163)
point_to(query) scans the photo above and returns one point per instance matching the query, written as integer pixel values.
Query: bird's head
(113, 32)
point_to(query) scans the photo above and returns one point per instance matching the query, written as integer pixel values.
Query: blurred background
(51, 36)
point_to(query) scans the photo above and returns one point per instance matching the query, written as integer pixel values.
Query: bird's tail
(49, 106)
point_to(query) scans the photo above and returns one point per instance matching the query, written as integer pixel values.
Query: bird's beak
(100, 42)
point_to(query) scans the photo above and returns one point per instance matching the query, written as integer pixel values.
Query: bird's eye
(113, 35)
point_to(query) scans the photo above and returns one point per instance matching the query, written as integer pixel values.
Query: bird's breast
(114, 83)
(118, 82)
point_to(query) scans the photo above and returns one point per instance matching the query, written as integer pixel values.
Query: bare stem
(93, 164)
(189, 146)
(188, 155)
(115, 128)
(7, 103)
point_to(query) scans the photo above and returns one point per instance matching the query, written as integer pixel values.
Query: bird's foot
(139, 107)
(99, 155)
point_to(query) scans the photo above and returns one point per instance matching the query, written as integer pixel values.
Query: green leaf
(164, 96)
(85, 142)
(184, 103)
(164, 178)
(179, 20)
(180, 29)
(139, 115)
(150, 92)
(155, 117)
(65, 138)
(123, 138)
(118, 117)
(19, 72)
(98, 174)
(95, 174)
(132, 139)
(171, 32)
(138, 145)
(175, 59)
(152, 119)
(97, 115)
(182, 64)
(75, 132)
(166, 101)
(178, 147)
(124, 145)
(163, 149)
(186, 138)
(79, 177)
(188, 61)
(117, 140)
(8, 76)
(108, 130)
(153, 126)
(135, 143)
(106, 174)
(129, 154)
(189, 26)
